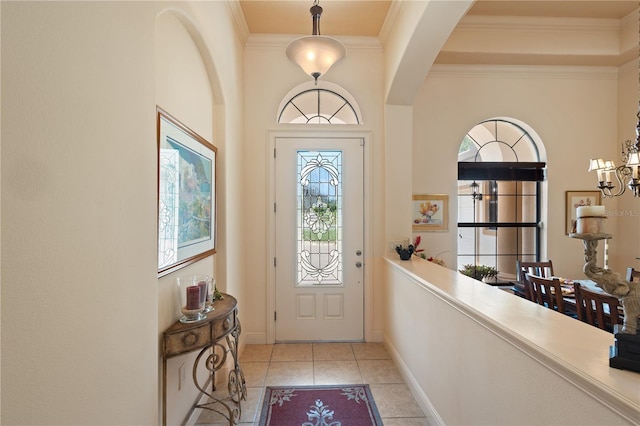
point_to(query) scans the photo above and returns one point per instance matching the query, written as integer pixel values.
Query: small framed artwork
(577, 199)
(186, 195)
(430, 212)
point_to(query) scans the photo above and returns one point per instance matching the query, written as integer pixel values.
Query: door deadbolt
(359, 253)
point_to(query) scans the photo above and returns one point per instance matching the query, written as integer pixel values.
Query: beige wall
(183, 89)
(79, 288)
(557, 103)
(625, 240)
(269, 76)
(82, 308)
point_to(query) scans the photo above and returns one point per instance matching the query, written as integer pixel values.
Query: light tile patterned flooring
(324, 364)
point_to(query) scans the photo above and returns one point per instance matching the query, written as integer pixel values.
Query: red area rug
(342, 405)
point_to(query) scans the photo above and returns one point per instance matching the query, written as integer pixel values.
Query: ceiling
(365, 17)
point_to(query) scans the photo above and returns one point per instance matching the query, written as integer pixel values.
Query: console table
(208, 336)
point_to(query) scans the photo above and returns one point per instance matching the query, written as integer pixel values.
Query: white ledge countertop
(575, 350)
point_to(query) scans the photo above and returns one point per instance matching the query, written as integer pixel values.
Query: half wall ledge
(476, 354)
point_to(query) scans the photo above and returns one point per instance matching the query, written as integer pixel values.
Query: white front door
(319, 239)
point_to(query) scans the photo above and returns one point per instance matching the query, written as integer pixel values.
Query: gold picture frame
(430, 212)
(186, 195)
(575, 199)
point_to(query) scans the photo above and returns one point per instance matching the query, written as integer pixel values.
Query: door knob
(358, 264)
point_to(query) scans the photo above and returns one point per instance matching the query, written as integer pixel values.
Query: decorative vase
(211, 295)
(405, 253)
(192, 294)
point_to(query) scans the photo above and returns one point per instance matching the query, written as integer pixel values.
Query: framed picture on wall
(430, 212)
(186, 195)
(577, 199)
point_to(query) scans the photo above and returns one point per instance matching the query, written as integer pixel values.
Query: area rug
(341, 405)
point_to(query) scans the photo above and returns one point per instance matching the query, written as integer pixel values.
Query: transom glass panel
(319, 218)
(318, 106)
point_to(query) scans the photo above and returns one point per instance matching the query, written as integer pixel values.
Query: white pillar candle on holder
(590, 219)
(590, 211)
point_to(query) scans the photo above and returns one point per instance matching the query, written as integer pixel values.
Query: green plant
(478, 272)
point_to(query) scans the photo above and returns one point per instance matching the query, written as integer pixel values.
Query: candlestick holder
(624, 354)
(211, 295)
(192, 291)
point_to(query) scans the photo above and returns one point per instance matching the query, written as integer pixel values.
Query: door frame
(317, 133)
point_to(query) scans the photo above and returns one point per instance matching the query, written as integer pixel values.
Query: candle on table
(193, 297)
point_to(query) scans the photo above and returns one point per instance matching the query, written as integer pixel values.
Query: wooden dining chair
(633, 274)
(598, 309)
(545, 291)
(540, 269)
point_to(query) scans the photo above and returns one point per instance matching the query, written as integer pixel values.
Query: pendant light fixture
(316, 53)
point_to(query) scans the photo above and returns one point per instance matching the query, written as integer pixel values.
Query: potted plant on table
(480, 272)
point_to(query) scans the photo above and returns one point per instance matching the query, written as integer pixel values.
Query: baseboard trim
(421, 398)
(254, 338)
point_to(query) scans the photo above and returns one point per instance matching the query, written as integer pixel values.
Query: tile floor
(324, 364)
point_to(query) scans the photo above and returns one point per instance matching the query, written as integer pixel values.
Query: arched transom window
(325, 103)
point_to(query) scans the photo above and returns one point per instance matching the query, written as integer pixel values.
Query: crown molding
(390, 20)
(238, 20)
(478, 23)
(533, 72)
(631, 20)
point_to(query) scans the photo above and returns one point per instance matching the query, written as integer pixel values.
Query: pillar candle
(590, 211)
(193, 297)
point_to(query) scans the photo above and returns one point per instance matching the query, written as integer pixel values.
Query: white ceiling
(365, 17)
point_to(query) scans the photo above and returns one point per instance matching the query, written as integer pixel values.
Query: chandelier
(316, 53)
(626, 174)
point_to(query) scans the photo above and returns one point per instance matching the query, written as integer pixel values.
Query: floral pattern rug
(341, 405)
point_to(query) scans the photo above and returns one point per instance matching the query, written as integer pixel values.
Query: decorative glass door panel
(319, 236)
(319, 219)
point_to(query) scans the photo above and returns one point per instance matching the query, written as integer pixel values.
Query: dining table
(568, 293)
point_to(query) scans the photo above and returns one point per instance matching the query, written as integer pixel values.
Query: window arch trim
(322, 86)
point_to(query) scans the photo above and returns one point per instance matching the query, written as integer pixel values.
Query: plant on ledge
(479, 272)
(416, 251)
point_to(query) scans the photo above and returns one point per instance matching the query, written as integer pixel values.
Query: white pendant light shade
(315, 54)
